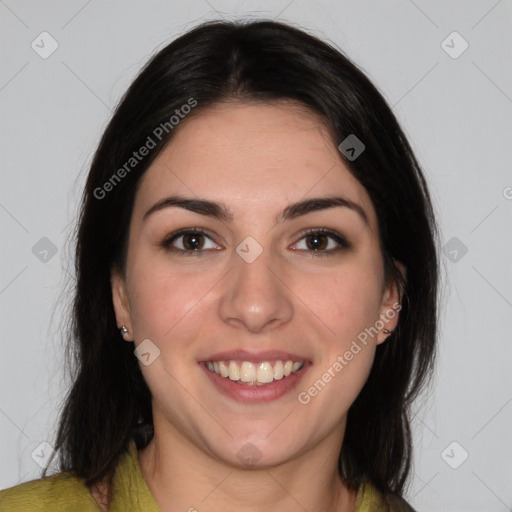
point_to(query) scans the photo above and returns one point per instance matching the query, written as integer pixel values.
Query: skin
(257, 159)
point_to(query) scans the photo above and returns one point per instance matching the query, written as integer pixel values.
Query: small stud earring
(124, 332)
(386, 331)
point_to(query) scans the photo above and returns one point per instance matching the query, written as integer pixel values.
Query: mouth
(251, 374)
(248, 378)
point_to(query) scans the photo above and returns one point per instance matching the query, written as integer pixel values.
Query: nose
(256, 297)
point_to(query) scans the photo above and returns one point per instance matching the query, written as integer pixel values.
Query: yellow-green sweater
(64, 492)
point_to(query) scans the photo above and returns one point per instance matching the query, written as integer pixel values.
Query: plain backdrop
(444, 66)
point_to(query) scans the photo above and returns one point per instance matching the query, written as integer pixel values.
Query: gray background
(456, 112)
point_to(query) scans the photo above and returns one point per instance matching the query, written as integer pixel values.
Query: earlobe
(391, 304)
(121, 304)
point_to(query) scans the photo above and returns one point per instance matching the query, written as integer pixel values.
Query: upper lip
(254, 357)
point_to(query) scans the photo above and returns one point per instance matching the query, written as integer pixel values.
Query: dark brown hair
(109, 402)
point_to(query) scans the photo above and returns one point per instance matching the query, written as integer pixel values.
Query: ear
(120, 302)
(391, 304)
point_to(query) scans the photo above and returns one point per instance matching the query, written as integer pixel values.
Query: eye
(322, 242)
(190, 241)
(195, 241)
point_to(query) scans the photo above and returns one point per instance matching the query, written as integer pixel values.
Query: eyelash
(337, 237)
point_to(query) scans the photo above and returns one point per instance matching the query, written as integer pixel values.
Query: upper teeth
(250, 373)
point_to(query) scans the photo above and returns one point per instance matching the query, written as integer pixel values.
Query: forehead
(243, 154)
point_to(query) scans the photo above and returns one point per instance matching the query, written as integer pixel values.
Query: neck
(183, 477)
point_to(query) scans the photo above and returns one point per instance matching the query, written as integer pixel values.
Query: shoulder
(397, 504)
(61, 492)
(369, 499)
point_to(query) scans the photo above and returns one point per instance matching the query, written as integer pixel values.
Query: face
(235, 280)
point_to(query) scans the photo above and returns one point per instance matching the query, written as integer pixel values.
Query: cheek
(162, 298)
(349, 305)
(347, 299)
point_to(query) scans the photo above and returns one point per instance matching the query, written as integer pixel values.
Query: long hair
(109, 402)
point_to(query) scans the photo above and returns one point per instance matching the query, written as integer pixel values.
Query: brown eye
(316, 242)
(322, 242)
(193, 241)
(189, 242)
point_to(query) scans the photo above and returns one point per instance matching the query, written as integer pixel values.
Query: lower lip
(255, 394)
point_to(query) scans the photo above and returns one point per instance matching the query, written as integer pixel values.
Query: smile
(254, 374)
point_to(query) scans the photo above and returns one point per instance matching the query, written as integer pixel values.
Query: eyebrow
(223, 213)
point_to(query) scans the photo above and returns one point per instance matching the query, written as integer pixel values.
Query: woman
(256, 228)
